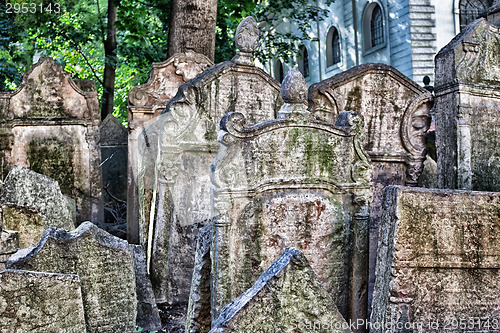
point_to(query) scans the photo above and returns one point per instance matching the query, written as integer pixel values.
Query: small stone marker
(287, 297)
(38, 302)
(438, 269)
(148, 317)
(198, 319)
(104, 264)
(24, 187)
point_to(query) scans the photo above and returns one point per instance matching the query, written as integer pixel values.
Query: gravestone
(396, 113)
(41, 197)
(114, 138)
(437, 268)
(40, 302)
(103, 262)
(50, 125)
(9, 244)
(292, 181)
(177, 151)
(145, 102)
(467, 102)
(148, 317)
(287, 297)
(27, 221)
(198, 319)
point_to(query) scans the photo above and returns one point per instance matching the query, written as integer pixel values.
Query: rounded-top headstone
(294, 87)
(247, 35)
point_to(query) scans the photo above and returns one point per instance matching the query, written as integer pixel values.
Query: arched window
(303, 61)
(278, 71)
(377, 26)
(373, 26)
(332, 47)
(471, 10)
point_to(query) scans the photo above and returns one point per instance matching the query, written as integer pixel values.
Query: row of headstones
(252, 87)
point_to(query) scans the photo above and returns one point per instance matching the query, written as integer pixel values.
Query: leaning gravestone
(26, 188)
(438, 268)
(287, 297)
(145, 104)
(396, 114)
(178, 149)
(104, 264)
(467, 103)
(50, 124)
(292, 181)
(38, 302)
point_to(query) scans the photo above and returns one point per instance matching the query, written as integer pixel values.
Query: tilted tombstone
(292, 181)
(177, 151)
(396, 115)
(50, 124)
(438, 268)
(145, 104)
(467, 103)
(287, 297)
(40, 302)
(105, 265)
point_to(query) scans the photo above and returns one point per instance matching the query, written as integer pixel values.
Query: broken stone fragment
(287, 297)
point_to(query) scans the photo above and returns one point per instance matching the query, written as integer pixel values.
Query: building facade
(405, 34)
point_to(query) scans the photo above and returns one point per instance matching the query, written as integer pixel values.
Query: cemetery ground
(234, 203)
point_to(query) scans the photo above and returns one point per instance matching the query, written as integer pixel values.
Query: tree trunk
(192, 27)
(110, 63)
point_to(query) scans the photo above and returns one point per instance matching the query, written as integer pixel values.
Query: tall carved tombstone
(396, 114)
(467, 104)
(438, 268)
(292, 181)
(50, 124)
(145, 104)
(177, 151)
(105, 265)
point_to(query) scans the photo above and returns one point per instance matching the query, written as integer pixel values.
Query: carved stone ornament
(247, 38)
(294, 94)
(190, 64)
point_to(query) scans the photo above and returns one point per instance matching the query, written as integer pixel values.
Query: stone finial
(247, 38)
(294, 94)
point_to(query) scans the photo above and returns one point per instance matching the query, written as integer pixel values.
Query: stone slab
(104, 264)
(438, 264)
(40, 302)
(287, 297)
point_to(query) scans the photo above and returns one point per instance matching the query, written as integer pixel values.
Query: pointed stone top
(246, 40)
(294, 94)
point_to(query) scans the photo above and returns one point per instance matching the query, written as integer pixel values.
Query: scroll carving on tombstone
(291, 181)
(174, 164)
(50, 124)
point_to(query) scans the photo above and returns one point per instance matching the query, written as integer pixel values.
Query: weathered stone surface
(467, 103)
(148, 316)
(287, 297)
(296, 182)
(51, 126)
(24, 187)
(40, 302)
(198, 319)
(9, 244)
(396, 114)
(428, 178)
(27, 221)
(437, 261)
(145, 104)
(103, 262)
(177, 151)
